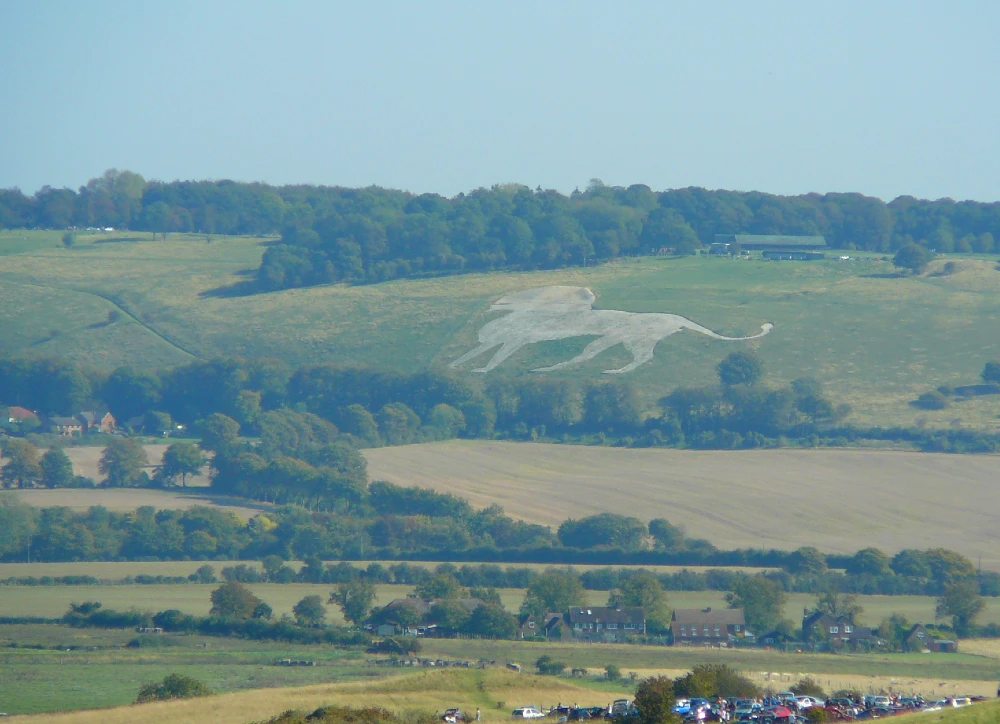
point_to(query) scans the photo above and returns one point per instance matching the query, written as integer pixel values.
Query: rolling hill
(876, 340)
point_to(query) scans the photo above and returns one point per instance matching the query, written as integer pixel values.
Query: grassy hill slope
(876, 340)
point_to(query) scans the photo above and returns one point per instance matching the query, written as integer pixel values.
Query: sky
(882, 97)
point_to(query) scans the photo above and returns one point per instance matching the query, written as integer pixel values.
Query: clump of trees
(174, 686)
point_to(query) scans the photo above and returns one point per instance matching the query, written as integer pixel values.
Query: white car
(527, 712)
(807, 702)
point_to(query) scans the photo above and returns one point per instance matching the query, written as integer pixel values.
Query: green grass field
(876, 341)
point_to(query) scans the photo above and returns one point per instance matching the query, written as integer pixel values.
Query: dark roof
(423, 606)
(603, 614)
(749, 241)
(722, 616)
(65, 421)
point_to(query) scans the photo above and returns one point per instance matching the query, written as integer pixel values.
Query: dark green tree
(603, 529)
(234, 601)
(807, 560)
(761, 599)
(57, 470)
(554, 590)
(961, 601)
(991, 372)
(442, 585)
(122, 462)
(310, 611)
(174, 686)
(547, 666)
(654, 701)
(17, 524)
(492, 621)
(870, 561)
(643, 589)
(355, 599)
(912, 257)
(22, 469)
(667, 535)
(218, 432)
(180, 459)
(740, 368)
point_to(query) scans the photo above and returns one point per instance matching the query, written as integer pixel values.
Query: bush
(933, 400)
(613, 672)
(807, 686)
(175, 686)
(815, 715)
(548, 667)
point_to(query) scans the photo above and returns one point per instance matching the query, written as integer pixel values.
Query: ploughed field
(877, 341)
(836, 500)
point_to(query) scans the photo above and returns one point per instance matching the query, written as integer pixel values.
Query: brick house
(65, 426)
(99, 421)
(602, 623)
(699, 626)
(920, 639)
(552, 626)
(821, 626)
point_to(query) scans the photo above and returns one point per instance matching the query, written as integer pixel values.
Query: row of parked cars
(787, 708)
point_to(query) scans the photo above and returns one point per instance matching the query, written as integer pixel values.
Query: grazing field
(53, 601)
(836, 500)
(426, 692)
(877, 340)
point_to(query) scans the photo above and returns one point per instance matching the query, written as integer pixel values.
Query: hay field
(878, 342)
(126, 499)
(836, 500)
(53, 601)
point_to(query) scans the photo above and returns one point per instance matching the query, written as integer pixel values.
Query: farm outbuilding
(772, 242)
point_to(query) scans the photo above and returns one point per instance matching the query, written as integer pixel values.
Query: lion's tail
(765, 328)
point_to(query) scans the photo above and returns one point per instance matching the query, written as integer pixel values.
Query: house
(65, 426)
(604, 623)
(698, 626)
(772, 242)
(822, 626)
(21, 414)
(100, 421)
(919, 638)
(418, 610)
(552, 626)
(775, 638)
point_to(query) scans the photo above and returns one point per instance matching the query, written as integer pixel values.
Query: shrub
(933, 400)
(547, 666)
(175, 686)
(807, 686)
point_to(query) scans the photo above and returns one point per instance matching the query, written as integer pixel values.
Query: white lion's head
(549, 298)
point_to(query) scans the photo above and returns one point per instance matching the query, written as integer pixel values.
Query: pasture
(836, 500)
(53, 601)
(875, 339)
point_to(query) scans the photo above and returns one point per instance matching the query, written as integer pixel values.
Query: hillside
(877, 341)
(836, 500)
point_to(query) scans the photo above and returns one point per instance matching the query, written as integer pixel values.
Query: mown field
(836, 500)
(876, 340)
(53, 601)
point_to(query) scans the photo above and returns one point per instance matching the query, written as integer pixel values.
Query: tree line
(372, 234)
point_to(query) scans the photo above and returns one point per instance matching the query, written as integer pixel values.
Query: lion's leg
(589, 352)
(503, 353)
(485, 346)
(642, 352)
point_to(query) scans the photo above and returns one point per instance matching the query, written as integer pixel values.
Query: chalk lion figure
(550, 313)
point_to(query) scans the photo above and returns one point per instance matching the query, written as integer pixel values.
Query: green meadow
(875, 339)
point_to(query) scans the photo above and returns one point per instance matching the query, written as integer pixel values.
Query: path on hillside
(110, 300)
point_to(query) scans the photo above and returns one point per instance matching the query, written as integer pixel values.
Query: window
(736, 628)
(835, 629)
(612, 626)
(684, 629)
(848, 629)
(531, 624)
(706, 632)
(577, 626)
(632, 625)
(716, 631)
(920, 634)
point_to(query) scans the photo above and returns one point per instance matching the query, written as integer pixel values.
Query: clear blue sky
(886, 98)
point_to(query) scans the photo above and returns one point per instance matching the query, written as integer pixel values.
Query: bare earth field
(836, 500)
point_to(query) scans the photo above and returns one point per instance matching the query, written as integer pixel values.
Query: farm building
(771, 242)
(692, 626)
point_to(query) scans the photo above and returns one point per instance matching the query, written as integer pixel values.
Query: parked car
(620, 707)
(807, 702)
(527, 712)
(452, 716)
